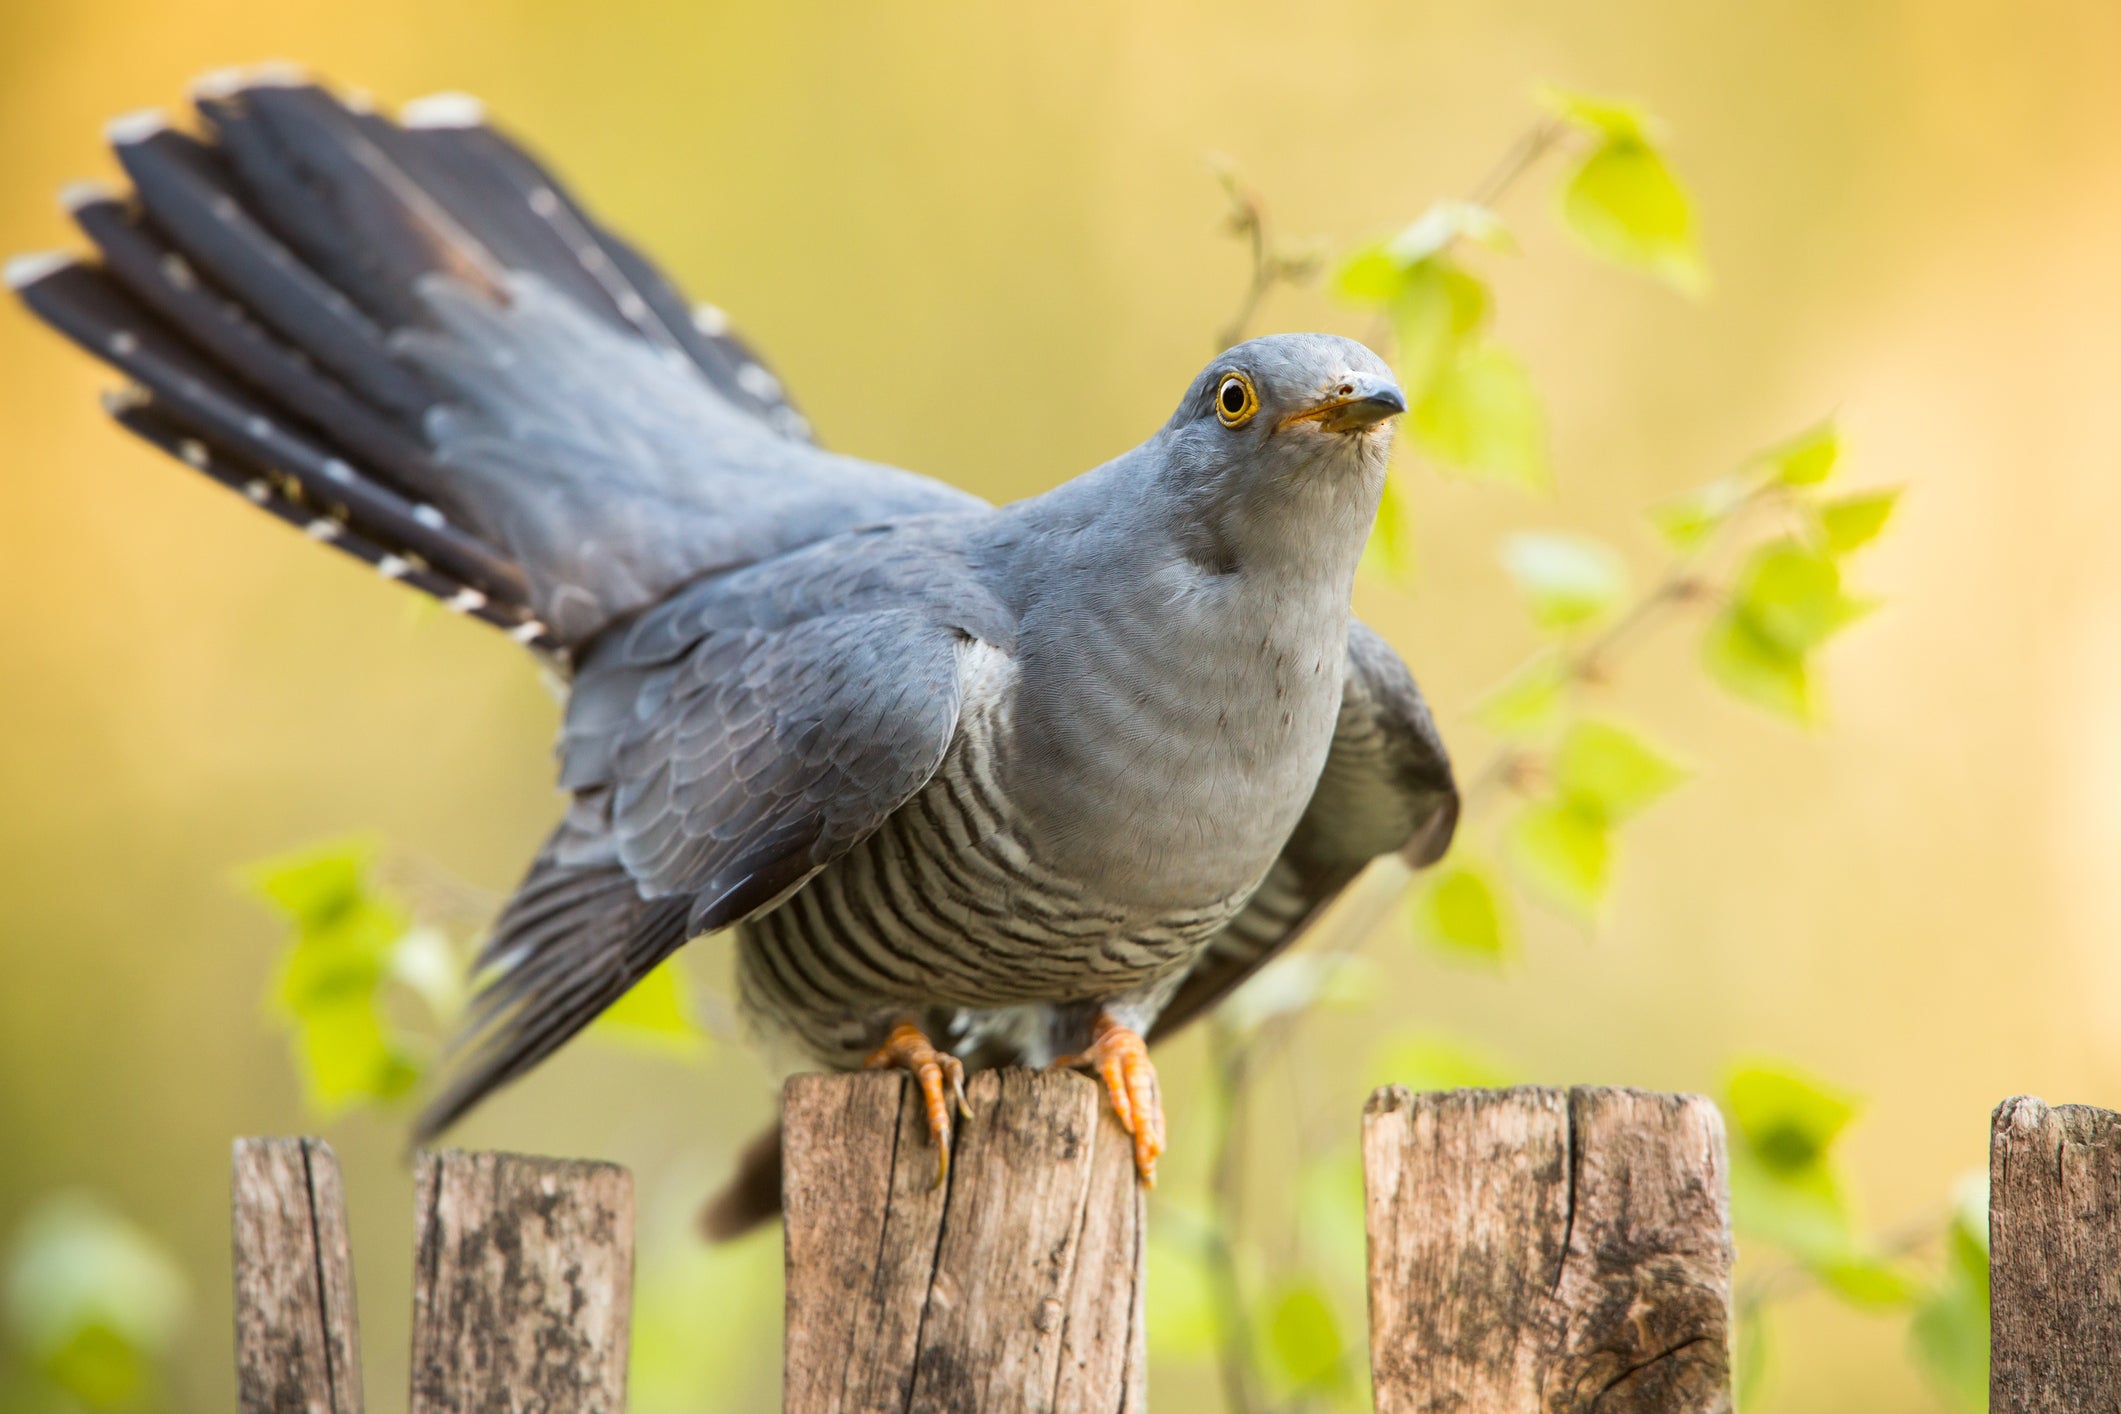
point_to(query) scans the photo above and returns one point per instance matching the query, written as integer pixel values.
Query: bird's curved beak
(1357, 401)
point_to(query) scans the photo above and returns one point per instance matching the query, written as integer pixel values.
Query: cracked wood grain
(522, 1285)
(1016, 1286)
(298, 1346)
(2054, 1222)
(1537, 1251)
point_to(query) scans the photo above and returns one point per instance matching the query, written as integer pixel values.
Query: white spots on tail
(126, 399)
(545, 202)
(122, 343)
(528, 631)
(136, 126)
(257, 427)
(228, 82)
(178, 272)
(75, 195)
(339, 471)
(194, 454)
(25, 270)
(392, 567)
(443, 110)
(324, 528)
(710, 320)
(428, 516)
(258, 489)
(464, 601)
(755, 380)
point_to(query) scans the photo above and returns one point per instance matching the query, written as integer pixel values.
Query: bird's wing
(1386, 788)
(409, 338)
(728, 744)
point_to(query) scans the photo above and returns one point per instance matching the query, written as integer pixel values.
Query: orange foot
(1121, 1056)
(909, 1049)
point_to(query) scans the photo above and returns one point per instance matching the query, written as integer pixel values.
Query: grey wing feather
(729, 743)
(1386, 788)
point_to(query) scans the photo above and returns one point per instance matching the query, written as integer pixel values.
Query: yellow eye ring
(1235, 402)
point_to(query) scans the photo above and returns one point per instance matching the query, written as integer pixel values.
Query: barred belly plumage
(945, 906)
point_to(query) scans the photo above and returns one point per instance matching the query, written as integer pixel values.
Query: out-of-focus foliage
(367, 997)
(1765, 544)
(1788, 1195)
(334, 983)
(1622, 199)
(92, 1305)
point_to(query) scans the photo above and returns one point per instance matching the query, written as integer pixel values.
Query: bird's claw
(1119, 1055)
(908, 1048)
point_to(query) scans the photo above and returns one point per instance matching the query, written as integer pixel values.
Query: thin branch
(1524, 154)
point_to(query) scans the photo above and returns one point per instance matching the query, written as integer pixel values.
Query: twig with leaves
(1763, 547)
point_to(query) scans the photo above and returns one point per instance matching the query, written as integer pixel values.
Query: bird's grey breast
(1168, 727)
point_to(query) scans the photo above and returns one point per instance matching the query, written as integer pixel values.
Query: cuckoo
(967, 785)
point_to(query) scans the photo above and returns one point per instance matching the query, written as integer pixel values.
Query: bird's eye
(1235, 402)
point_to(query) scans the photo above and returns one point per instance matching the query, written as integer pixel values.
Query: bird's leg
(908, 1048)
(1121, 1056)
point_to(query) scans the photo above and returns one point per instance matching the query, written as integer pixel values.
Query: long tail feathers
(253, 282)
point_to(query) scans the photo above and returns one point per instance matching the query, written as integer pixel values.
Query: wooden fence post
(2054, 1222)
(298, 1345)
(1016, 1286)
(522, 1285)
(1548, 1250)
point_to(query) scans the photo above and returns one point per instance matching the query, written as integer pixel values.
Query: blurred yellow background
(981, 241)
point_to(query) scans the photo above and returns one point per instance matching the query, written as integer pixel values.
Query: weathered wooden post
(1548, 1250)
(1015, 1286)
(2054, 1222)
(522, 1284)
(298, 1345)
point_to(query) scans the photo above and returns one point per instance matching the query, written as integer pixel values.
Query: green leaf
(1609, 772)
(1459, 910)
(350, 940)
(1806, 459)
(1785, 1118)
(1792, 595)
(1370, 276)
(1529, 702)
(1438, 307)
(1755, 669)
(656, 1014)
(1435, 1060)
(1562, 853)
(1567, 579)
(1625, 204)
(1605, 118)
(314, 886)
(1853, 522)
(1788, 600)
(1686, 521)
(1481, 416)
(1303, 1336)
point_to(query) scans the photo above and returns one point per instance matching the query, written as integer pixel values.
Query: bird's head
(1281, 442)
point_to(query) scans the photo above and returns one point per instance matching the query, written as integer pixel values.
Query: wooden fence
(1548, 1251)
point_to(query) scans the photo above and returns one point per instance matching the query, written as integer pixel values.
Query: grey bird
(970, 785)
